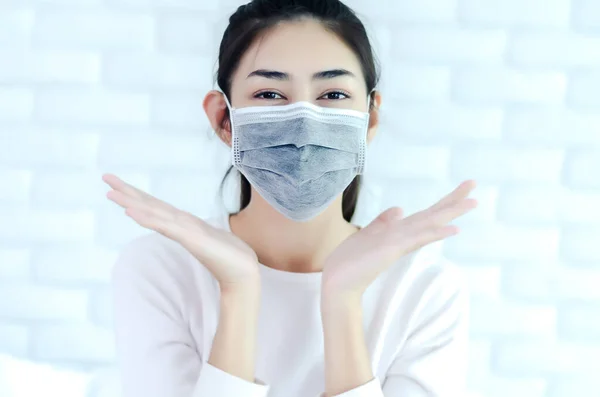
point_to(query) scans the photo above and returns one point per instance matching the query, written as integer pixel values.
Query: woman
(287, 297)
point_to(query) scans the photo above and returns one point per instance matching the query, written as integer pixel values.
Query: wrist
(240, 300)
(241, 290)
(346, 355)
(234, 344)
(341, 304)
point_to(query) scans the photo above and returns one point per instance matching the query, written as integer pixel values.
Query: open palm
(226, 256)
(357, 262)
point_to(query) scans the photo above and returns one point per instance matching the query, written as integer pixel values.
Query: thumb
(390, 215)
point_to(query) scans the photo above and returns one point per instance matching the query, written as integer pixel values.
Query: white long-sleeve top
(167, 310)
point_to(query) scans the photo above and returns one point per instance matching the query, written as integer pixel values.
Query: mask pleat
(299, 157)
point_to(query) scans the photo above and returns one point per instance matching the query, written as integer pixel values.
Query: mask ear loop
(227, 101)
(363, 150)
(236, 159)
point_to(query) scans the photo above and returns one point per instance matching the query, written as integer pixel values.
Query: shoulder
(441, 277)
(443, 307)
(150, 255)
(432, 285)
(434, 275)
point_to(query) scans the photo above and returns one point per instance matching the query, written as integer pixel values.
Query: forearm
(234, 345)
(347, 363)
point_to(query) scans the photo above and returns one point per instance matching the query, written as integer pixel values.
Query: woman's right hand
(231, 261)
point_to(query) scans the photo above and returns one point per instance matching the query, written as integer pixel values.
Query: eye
(335, 95)
(268, 95)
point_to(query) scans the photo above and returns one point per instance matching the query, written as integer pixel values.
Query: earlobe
(217, 112)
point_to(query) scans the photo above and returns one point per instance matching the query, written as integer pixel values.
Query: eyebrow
(275, 75)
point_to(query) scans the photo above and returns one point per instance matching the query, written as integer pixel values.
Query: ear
(217, 112)
(374, 116)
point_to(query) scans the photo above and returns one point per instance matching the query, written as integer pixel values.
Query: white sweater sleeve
(433, 361)
(157, 354)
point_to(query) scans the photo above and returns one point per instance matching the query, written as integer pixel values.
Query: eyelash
(346, 95)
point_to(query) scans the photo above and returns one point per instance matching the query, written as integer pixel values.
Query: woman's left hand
(357, 262)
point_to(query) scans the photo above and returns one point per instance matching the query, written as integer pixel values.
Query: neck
(283, 244)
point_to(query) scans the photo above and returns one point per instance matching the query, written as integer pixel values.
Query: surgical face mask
(299, 157)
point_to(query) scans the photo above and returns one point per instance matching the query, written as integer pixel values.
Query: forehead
(299, 48)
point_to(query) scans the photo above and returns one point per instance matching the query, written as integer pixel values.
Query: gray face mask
(299, 157)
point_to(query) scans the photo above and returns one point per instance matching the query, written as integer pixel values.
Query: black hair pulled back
(255, 18)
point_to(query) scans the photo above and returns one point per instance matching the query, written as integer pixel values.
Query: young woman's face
(299, 61)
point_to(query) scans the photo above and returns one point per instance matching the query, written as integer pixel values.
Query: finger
(431, 235)
(122, 199)
(391, 214)
(454, 211)
(118, 184)
(461, 191)
(151, 202)
(441, 233)
(113, 181)
(145, 215)
(425, 222)
(149, 220)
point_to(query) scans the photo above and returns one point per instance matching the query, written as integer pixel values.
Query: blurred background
(503, 91)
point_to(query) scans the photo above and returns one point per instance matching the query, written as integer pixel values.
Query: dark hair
(255, 18)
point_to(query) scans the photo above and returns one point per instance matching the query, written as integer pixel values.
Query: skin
(350, 259)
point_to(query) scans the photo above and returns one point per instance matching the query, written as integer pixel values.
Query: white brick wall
(94, 29)
(505, 91)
